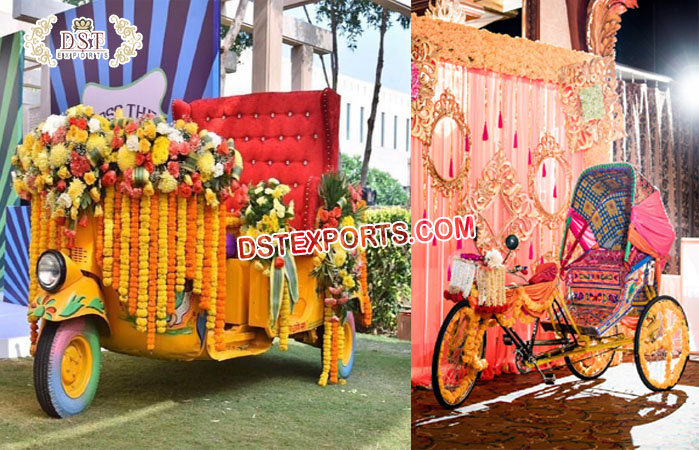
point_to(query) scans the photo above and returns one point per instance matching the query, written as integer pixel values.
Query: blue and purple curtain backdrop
(11, 75)
(180, 41)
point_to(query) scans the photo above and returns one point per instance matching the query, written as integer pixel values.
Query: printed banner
(16, 279)
(11, 70)
(178, 57)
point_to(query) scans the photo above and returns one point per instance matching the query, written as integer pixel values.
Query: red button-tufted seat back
(291, 136)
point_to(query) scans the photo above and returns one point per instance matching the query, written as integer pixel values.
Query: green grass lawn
(268, 401)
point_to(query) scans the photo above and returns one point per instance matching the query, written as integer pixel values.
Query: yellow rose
(206, 166)
(348, 282)
(99, 212)
(340, 257)
(149, 130)
(179, 124)
(347, 222)
(144, 145)
(89, 111)
(42, 161)
(148, 189)
(89, 178)
(75, 190)
(95, 194)
(63, 172)
(211, 199)
(167, 183)
(191, 128)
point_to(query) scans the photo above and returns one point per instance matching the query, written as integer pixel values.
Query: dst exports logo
(83, 41)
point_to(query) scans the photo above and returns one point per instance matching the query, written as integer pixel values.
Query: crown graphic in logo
(82, 23)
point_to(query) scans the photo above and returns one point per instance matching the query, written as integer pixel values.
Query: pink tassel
(458, 244)
(466, 145)
(515, 144)
(451, 168)
(541, 261)
(449, 274)
(555, 195)
(485, 131)
(543, 169)
(500, 119)
(531, 251)
(434, 242)
(424, 214)
(529, 158)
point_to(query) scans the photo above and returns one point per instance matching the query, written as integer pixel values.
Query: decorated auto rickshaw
(616, 239)
(133, 230)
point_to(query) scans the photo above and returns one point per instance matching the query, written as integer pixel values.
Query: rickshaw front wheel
(661, 344)
(67, 366)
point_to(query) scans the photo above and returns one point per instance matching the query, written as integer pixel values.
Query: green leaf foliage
(389, 191)
(388, 272)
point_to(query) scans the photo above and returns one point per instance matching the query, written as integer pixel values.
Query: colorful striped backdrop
(179, 36)
(11, 70)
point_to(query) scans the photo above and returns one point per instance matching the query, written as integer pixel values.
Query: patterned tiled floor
(519, 412)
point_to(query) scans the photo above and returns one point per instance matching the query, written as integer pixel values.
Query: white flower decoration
(94, 125)
(132, 142)
(215, 139)
(218, 170)
(53, 123)
(64, 201)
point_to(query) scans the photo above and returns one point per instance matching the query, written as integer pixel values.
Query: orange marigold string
(364, 294)
(53, 233)
(221, 291)
(162, 251)
(199, 245)
(151, 267)
(181, 238)
(108, 237)
(124, 250)
(116, 238)
(205, 299)
(99, 241)
(334, 351)
(191, 255)
(134, 250)
(171, 243)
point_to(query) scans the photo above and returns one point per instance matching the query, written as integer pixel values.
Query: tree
(389, 191)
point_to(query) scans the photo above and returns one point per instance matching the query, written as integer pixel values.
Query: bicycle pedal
(549, 378)
(507, 340)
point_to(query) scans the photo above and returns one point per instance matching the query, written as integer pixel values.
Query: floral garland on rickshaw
(267, 213)
(155, 190)
(341, 273)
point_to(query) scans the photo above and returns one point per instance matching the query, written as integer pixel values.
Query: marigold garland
(108, 236)
(212, 255)
(34, 333)
(125, 241)
(44, 231)
(34, 246)
(116, 240)
(152, 270)
(334, 350)
(340, 344)
(181, 238)
(53, 233)
(364, 294)
(221, 291)
(99, 240)
(199, 267)
(205, 298)
(171, 245)
(141, 290)
(327, 343)
(135, 248)
(162, 248)
(284, 313)
(191, 242)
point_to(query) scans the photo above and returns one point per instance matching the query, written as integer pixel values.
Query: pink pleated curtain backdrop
(529, 109)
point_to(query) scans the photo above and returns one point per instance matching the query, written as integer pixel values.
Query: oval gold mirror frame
(548, 148)
(447, 107)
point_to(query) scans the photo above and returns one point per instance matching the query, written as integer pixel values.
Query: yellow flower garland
(180, 245)
(327, 343)
(340, 344)
(199, 248)
(284, 314)
(53, 233)
(143, 247)
(108, 252)
(125, 249)
(161, 313)
(213, 258)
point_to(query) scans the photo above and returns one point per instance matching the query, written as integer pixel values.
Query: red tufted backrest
(291, 136)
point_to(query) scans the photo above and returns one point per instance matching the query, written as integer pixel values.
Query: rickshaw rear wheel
(659, 341)
(67, 366)
(449, 346)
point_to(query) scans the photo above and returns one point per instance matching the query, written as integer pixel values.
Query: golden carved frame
(447, 107)
(603, 22)
(499, 178)
(424, 56)
(548, 147)
(582, 135)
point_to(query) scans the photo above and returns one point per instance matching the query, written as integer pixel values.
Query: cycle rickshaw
(616, 238)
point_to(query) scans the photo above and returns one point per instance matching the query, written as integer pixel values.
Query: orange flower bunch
(171, 245)
(221, 291)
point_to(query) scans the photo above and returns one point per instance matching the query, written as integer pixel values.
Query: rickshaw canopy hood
(613, 205)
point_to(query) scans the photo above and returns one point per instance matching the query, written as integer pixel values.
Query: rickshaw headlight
(51, 270)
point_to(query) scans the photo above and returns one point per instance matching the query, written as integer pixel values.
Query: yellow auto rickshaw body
(247, 330)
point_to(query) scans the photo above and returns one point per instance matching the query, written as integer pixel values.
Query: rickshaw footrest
(549, 378)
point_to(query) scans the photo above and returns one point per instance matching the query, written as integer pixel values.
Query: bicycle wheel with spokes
(661, 344)
(592, 364)
(453, 374)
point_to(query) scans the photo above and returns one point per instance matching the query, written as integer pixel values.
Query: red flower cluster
(78, 164)
(80, 123)
(329, 219)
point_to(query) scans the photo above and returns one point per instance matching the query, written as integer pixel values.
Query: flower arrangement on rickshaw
(156, 191)
(341, 273)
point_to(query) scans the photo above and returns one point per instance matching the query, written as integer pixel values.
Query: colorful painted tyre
(661, 344)
(67, 366)
(346, 360)
(591, 365)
